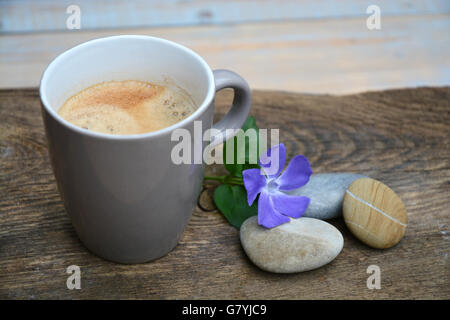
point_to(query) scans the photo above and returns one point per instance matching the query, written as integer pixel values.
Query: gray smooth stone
(300, 245)
(326, 191)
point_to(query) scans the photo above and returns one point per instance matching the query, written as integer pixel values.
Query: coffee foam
(127, 107)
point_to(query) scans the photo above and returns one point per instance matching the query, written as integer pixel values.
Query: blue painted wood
(50, 15)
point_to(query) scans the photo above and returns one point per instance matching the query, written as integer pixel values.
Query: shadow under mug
(128, 201)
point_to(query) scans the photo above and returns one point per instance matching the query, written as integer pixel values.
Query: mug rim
(202, 107)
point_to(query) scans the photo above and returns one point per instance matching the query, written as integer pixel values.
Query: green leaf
(232, 203)
(233, 167)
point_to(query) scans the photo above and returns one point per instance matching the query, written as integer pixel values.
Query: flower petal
(273, 160)
(267, 215)
(296, 174)
(292, 206)
(254, 182)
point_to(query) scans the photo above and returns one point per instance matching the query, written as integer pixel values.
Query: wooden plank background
(400, 137)
(49, 15)
(317, 46)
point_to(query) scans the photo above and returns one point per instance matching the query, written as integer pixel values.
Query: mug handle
(238, 113)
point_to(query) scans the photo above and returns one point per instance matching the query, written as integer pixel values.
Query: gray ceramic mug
(128, 201)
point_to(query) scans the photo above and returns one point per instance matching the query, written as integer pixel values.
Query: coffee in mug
(127, 107)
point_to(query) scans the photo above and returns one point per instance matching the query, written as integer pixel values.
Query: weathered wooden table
(400, 137)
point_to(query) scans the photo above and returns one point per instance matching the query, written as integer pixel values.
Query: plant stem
(217, 178)
(225, 179)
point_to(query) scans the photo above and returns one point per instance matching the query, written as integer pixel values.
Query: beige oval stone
(302, 244)
(374, 213)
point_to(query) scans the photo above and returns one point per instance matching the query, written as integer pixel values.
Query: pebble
(300, 245)
(374, 213)
(326, 191)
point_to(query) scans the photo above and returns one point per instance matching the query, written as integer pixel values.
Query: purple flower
(274, 206)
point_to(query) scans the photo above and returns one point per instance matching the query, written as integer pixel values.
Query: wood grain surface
(400, 137)
(337, 56)
(51, 15)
